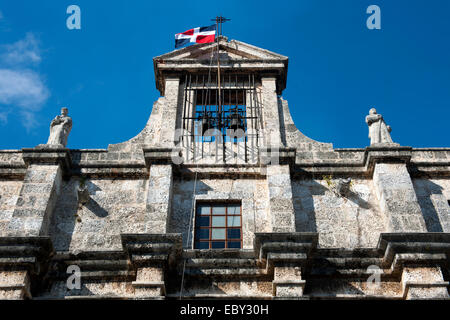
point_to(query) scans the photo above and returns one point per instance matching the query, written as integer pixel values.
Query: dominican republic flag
(196, 35)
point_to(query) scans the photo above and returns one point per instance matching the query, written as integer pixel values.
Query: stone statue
(60, 128)
(343, 186)
(379, 132)
(82, 194)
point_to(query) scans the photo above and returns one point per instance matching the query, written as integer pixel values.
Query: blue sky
(338, 68)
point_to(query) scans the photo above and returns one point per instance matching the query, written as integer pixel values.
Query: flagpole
(218, 74)
(219, 21)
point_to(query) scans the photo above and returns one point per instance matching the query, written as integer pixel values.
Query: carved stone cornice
(277, 155)
(48, 155)
(25, 253)
(416, 249)
(160, 155)
(386, 153)
(152, 249)
(285, 248)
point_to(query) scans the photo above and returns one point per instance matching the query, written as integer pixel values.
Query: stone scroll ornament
(60, 128)
(379, 132)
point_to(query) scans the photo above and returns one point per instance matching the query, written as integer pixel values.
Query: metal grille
(221, 125)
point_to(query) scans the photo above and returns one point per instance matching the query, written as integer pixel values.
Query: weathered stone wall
(341, 289)
(116, 206)
(252, 192)
(9, 192)
(436, 155)
(292, 137)
(149, 135)
(433, 196)
(350, 221)
(36, 201)
(159, 198)
(244, 288)
(10, 159)
(424, 283)
(271, 120)
(14, 285)
(12, 170)
(397, 198)
(280, 198)
(106, 289)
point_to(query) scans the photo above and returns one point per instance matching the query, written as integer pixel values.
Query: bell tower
(225, 97)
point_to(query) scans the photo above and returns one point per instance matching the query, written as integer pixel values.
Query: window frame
(210, 241)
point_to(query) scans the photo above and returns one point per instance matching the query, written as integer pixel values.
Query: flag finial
(219, 20)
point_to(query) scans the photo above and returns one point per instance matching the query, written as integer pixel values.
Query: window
(210, 123)
(222, 121)
(218, 226)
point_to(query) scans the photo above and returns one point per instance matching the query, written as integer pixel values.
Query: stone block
(397, 197)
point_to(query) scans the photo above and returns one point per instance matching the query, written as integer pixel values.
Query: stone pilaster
(424, 283)
(278, 160)
(159, 188)
(23, 261)
(287, 282)
(149, 282)
(14, 285)
(172, 106)
(39, 192)
(395, 190)
(151, 255)
(286, 255)
(270, 112)
(159, 198)
(280, 198)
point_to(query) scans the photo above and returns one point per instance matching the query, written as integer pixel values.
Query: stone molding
(282, 154)
(343, 162)
(46, 155)
(292, 250)
(277, 248)
(25, 253)
(417, 249)
(28, 258)
(160, 155)
(94, 265)
(152, 249)
(245, 57)
(387, 153)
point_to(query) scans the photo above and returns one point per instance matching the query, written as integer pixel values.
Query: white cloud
(22, 89)
(22, 52)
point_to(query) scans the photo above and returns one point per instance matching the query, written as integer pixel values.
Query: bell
(236, 122)
(205, 125)
(236, 125)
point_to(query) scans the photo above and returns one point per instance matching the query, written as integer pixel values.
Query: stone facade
(125, 216)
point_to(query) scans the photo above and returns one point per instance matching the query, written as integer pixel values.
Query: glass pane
(234, 233)
(218, 221)
(202, 209)
(234, 209)
(218, 210)
(202, 222)
(234, 221)
(202, 234)
(202, 245)
(234, 244)
(218, 245)
(217, 234)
